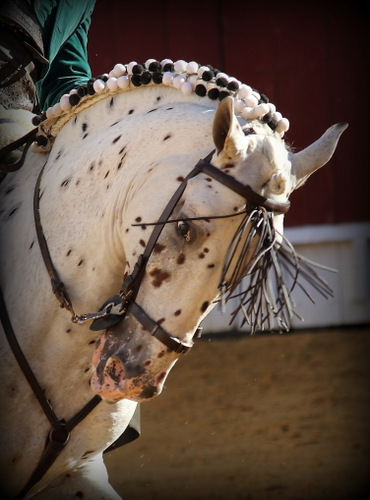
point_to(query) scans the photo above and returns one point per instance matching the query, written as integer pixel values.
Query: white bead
(49, 113)
(192, 67)
(56, 109)
(272, 107)
(247, 113)
(166, 61)
(167, 78)
(180, 66)
(261, 110)
(256, 95)
(187, 88)
(123, 82)
(130, 66)
(99, 86)
(277, 116)
(222, 75)
(282, 126)
(244, 91)
(238, 105)
(178, 81)
(112, 83)
(118, 70)
(64, 103)
(251, 101)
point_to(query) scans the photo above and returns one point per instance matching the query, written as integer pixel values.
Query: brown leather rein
(114, 309)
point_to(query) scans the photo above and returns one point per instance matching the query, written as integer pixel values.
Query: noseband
(116, 307)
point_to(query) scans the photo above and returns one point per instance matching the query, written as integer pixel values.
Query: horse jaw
(315, 156)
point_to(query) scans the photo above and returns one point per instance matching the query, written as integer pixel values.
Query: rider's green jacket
(65, 25)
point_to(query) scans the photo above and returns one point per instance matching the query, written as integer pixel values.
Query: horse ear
(315, 156)
(228, 136)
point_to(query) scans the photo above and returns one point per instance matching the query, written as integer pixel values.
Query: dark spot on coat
(65, 183)
(9, 190)
(158, 248)
(31, 245)
(111, 102)
(201, 255)
(12, 212)
(138, 219)
(116, 139)
(89, 452)
(131, 111)
(106, 174)
(168, 136)
(151, 110)
(180, 178)
(85, 135)
(68, 330)
(121, 150)
(161, 320)
(205, 250)
(147, 363)
(177, 313)
(208, 179)
(211, 265)
(142, 243)
(84, 127)
(161, 377)
(181, 258)
(204, 306)
(119, 165)
(58, 155)
(68, 253)
(168, 109)
(91, 168)
(91, 342)
(159, 276)
(80, 263)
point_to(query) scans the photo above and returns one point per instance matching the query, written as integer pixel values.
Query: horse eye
(183, 230)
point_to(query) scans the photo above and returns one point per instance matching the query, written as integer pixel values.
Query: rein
(114, 309)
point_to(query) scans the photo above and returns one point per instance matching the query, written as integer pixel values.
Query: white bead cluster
(184, 76)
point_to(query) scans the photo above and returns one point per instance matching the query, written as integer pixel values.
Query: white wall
(345, 247)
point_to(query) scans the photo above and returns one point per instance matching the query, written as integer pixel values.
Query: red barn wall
(311, 58)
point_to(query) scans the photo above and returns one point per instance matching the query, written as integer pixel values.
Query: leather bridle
(115, 308)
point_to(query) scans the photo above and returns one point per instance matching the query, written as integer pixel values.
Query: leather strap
(60, 430)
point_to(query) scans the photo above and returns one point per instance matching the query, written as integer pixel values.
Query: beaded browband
(204, 81)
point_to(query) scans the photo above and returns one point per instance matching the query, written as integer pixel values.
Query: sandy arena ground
(282, 417)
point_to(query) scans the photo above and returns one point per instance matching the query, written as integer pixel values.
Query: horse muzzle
(129, 364)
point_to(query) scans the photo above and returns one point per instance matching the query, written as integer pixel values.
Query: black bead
(233, 85)
(74, 99)
(267, 117)
(157, 77)
(41, 140)
(136, 80)
(168, 67)
(221, 82)
(207, 75)
(264, 98)
(213, 93)
(36, 120)
(90, 88)
(155, 66)
(81, 91)
(223, 94)
(137, 69)
(103, 77)
(200, 90)
(146, 77)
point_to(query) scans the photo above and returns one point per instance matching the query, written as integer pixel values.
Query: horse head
(214, 235)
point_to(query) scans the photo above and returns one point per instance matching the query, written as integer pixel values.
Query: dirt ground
(268, 417)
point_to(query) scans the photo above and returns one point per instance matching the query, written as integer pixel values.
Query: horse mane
(191, 78)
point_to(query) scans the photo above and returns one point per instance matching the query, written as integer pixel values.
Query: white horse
(118, 155)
